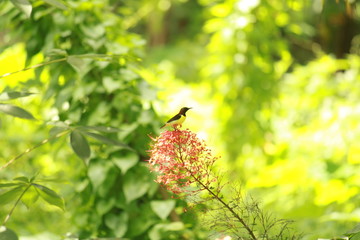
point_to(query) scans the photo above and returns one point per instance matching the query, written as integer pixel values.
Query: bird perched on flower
(178, 119)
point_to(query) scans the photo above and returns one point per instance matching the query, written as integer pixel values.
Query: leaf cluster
(28, 191)
(87, 81)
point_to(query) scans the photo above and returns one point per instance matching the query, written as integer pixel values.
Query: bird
(178, 119)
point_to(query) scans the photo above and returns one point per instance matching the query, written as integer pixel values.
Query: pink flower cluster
(180, 159)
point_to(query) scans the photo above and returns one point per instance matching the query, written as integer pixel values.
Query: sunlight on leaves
(333, 191)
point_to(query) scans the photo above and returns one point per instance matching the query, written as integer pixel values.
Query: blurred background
(275, 91)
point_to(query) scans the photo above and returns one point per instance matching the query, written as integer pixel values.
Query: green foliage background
(274, 86)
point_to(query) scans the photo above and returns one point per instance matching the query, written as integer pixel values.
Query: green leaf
(93, 31)
(56, 52)
(15, 111)
(175, 226)
(13, 95)
(161, 230)
(106, 140)
(34, 177)
(56, 3)
(56, 130)
(22, 179)
(7, 234)
(162, 208)
(145, 218)
(99, 129)
(5, 185)
(24, 6)
(80, 145)
(104, 57)
(110, 84)
(356, 236)
(11, 195)
(356, 229)
(120, 200)
(30, 197)
(104, 205)
(136, 183)
(118, 223)
(97, 56)
(77, 63)
(125, 161)
(97, 172)
(109, 181)
(49, 196)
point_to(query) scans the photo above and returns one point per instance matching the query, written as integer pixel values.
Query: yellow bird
(178, 119)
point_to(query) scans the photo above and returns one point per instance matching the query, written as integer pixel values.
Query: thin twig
(16, 203)
(93, 56)
(35, 66)
(32, 148)
(242, 221)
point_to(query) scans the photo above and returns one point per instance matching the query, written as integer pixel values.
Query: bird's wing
(174, 118)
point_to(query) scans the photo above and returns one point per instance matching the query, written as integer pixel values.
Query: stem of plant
(34, 147)
(35, 66)
(226, 206)
(16, 203)
(63, 59)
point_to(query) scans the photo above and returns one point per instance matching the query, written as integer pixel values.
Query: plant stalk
(16, 203)
(32, 148)
(35, 66)
(251, 233)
